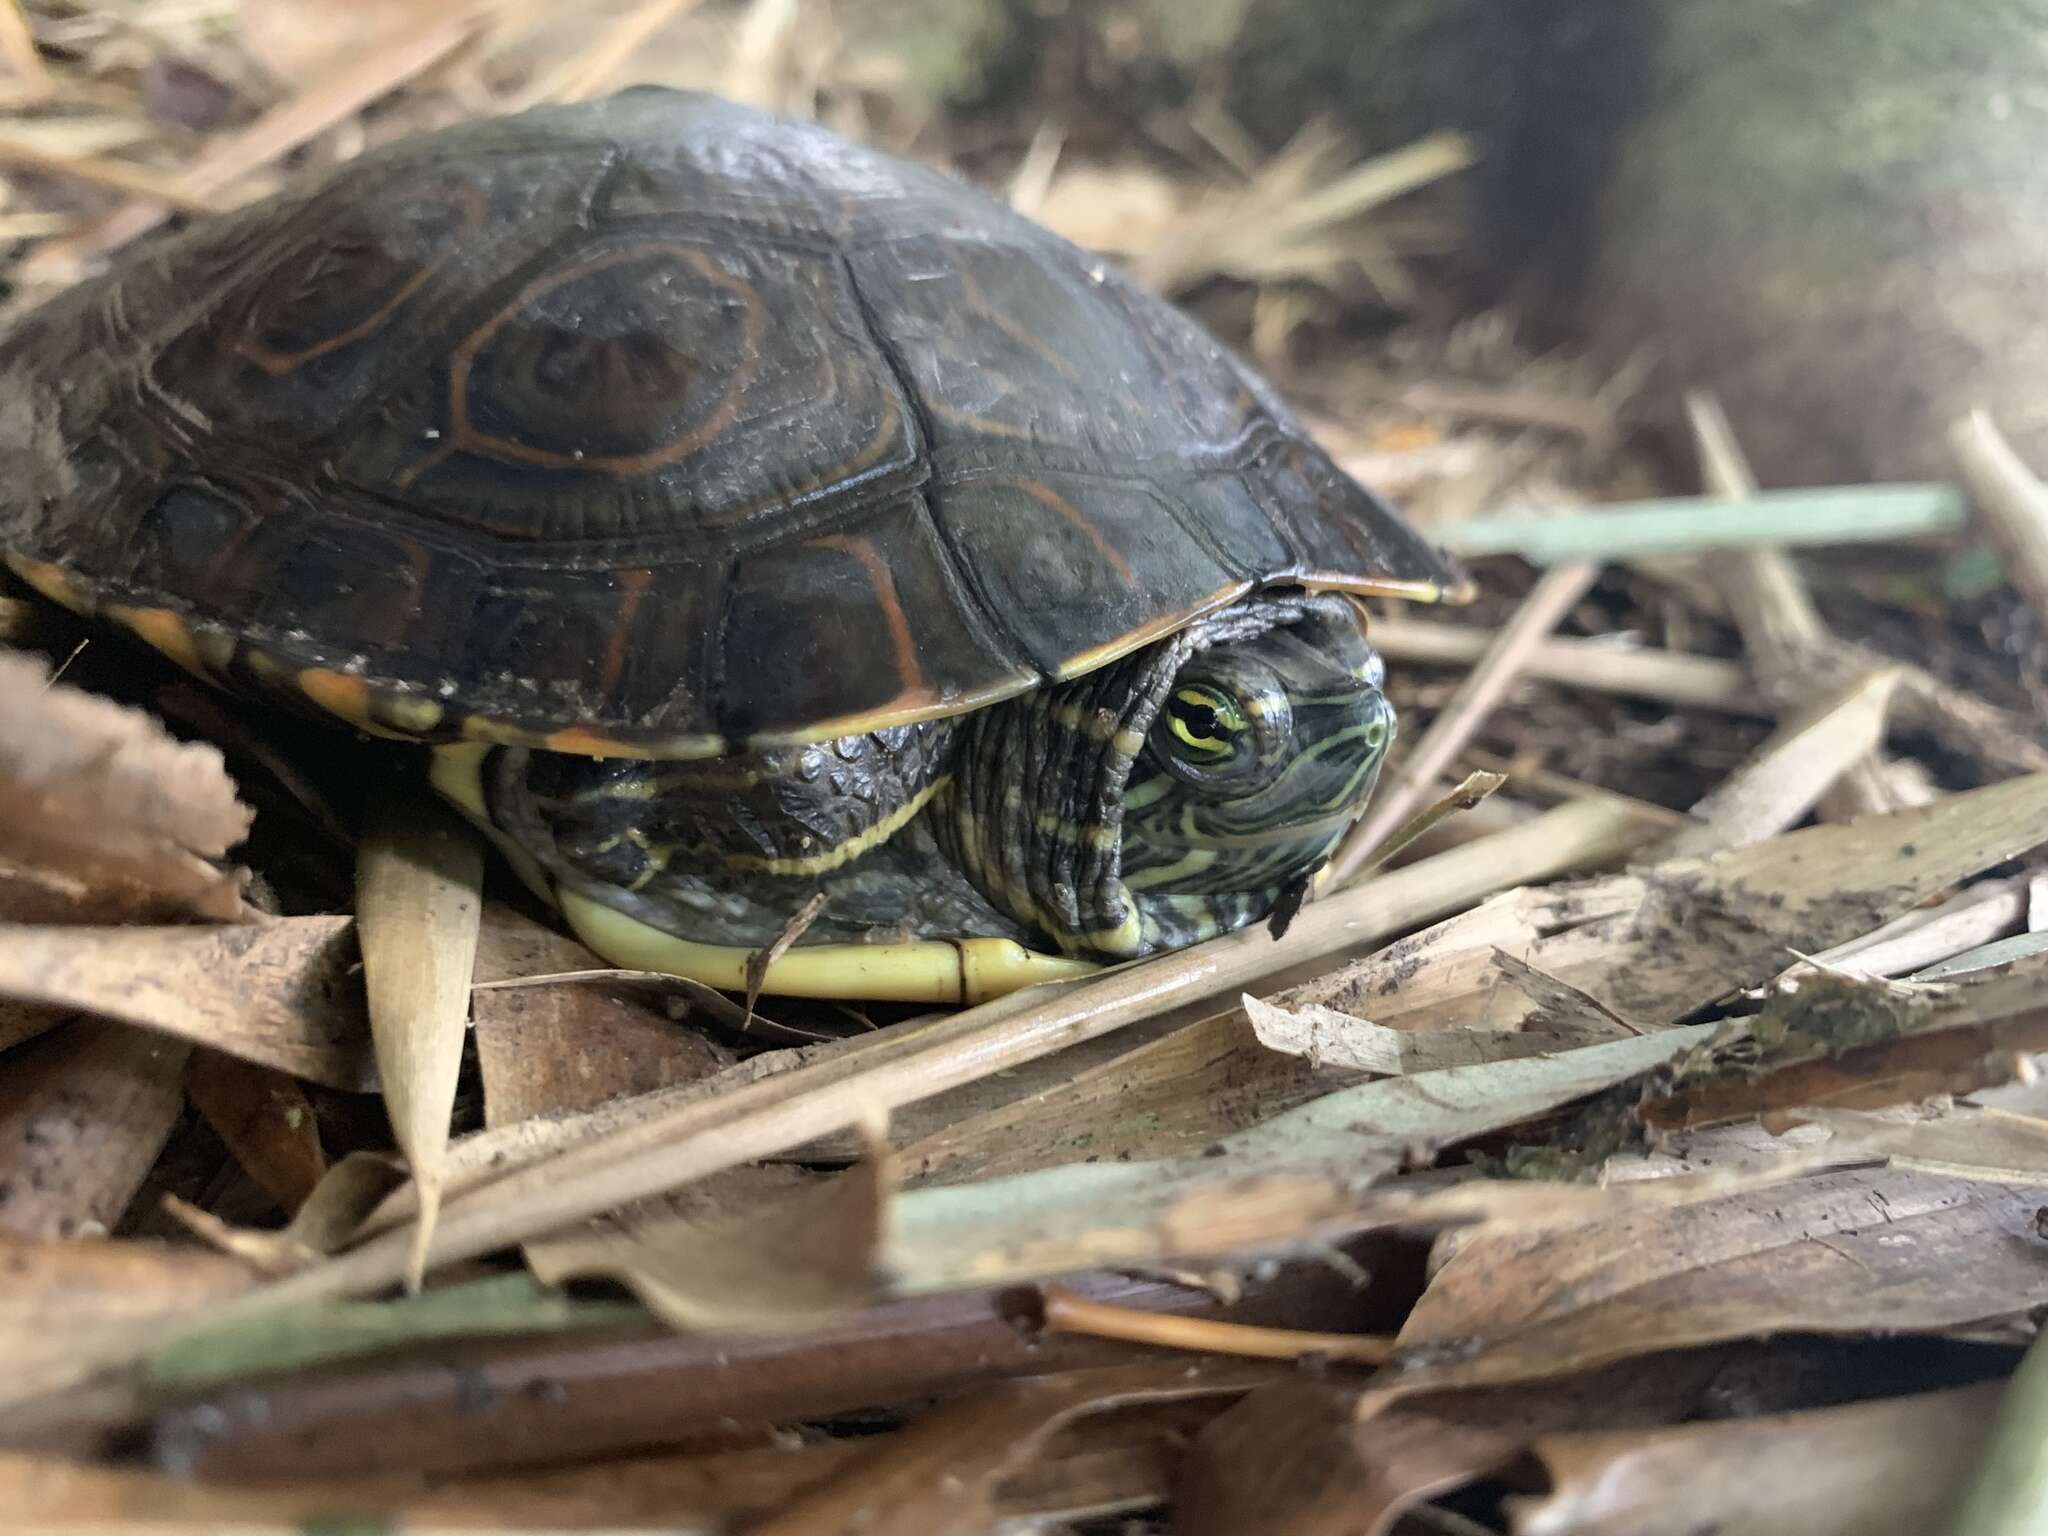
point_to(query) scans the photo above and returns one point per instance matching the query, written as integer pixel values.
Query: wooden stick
(1548, 602)
(1663, 677)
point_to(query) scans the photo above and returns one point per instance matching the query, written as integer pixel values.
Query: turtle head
(1262, 751)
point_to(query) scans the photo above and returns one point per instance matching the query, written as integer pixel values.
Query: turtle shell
(653, 425)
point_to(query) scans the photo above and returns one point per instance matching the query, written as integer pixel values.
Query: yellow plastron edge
(915, 971)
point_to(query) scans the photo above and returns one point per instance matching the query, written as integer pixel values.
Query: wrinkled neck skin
(1077, 812)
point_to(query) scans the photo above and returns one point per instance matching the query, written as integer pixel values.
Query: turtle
(749, 523)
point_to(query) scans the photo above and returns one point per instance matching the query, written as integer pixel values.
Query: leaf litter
(1575, 1099)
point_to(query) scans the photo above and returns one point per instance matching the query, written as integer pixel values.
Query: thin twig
(98, 171)
(1639, 672)
(1547, 603)
(2012, 502)
(269, 138)
(1768, 599)
(1067, 1313)
(18, 44)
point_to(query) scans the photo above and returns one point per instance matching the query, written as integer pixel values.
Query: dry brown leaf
(67, 1305)
(1288, 1461)
(1122, 1462)
(555, 1050)
(280, 993)
(328, 1219)
(1897, 1465)
(940, 1477)
(791, 1262)
(265, 1119)
(99, 803)
(419, 885)
(1326, 1038)
(1175, 1094)
(84, 1111)
(1860, 1252)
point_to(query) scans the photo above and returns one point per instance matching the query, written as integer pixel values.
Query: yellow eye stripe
(1179, 727)
(1224, 717)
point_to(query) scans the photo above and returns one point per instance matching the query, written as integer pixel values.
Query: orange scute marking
(339, 694)
(1046, 496)
(168, 633)
(908, 670)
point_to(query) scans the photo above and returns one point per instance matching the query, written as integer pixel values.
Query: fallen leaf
(99, 800)
(264, 1118)
(555, 1050)
(419, 883)
(279, 993)
(1285, 1180)
(330, 1217)
(804, 1256)
(66, 1306)
(940, 1477)
(1897, 1465)
(1854, 1252)
(1287, 1460)
(1966, 1144)
(191, 1358)
(1689, 931)
(1327, 1038)
(84, 1111)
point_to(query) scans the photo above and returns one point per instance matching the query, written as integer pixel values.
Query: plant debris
(1636, 1126)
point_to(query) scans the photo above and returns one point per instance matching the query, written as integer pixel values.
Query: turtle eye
(1208, 735)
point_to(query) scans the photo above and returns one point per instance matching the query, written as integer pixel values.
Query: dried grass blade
(1790, 773)
(1540, 612)
(18, 44)
(1663, 677)
(98, 171)
(2012, 502)
(1768, 598)
(1894, 1464)
(1466, 795)
(418, 907)
(275, 134)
